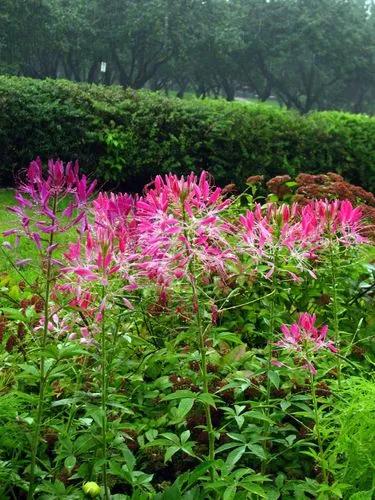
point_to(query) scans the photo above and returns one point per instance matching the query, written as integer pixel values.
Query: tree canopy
(307, 54)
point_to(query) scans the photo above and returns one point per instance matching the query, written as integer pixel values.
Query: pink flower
(285, 231)
(105, 255)
(305, 338)
(304, 332)
(180, 225)
(337, 219)
(39, 198)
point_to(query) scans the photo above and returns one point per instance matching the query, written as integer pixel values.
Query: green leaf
(65, 402)
(230, 492)
(285, 405)
(151, 434)
(235, 455)
(254, 488)
(185, 406)
(129, 457)
(11, 313)
(274, 378)
(257, 415)
(226, 446)
(363, 495)
(170, 452)
(290, 439)
(183, 394)
(185, 436)
(207, 399)
(240, 421)
(199, 472)
(115, 469)
(258, 451)
(171, 437)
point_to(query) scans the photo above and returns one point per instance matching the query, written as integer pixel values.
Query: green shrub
(353, 449)
(127, 137)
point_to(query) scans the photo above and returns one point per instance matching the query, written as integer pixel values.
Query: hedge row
(127, 137)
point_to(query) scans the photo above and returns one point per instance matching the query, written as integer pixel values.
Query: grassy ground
(6, 199)
(25, 250)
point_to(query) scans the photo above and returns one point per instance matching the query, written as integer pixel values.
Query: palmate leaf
(254, 488)
(170, 452)
(230, 492)
(181, 394)
(258, 451)
(235, 455)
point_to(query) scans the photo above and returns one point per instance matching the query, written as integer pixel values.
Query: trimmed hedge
(127, 137)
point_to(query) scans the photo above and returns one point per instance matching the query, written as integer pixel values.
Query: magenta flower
(285, 231)
(305, 338)
(180, 225)
(105, 255)
(40, 199)
(304, 332)
(337, 219)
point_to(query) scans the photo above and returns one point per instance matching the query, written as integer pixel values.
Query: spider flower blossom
(305, 338)
(39, 198)
(115, 212)
(179, 226)
(106, 252)
(283, 230)
(337, 219)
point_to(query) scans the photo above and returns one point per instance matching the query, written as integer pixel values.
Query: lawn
(25, 249)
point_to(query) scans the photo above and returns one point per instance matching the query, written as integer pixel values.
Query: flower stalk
(317, 427)
(335, 315)
(42, 374)
(104, 391)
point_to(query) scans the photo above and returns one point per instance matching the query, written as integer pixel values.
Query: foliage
(184, 344)
(128, 137)
(352, 450)
(307, 55)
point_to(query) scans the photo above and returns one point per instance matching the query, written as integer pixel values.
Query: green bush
(126, 137)
(353, 449)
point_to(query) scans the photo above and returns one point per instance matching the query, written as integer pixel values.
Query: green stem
(104, 400)
(317, 427)
(74, 406)
(203, 367)
(202, 352)
(43, 377)
(335, 314)
(272, 319)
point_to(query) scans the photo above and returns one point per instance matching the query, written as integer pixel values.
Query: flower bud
(92, 489)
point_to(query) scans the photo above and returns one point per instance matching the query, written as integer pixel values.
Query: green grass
(25, 250)
(6, 199)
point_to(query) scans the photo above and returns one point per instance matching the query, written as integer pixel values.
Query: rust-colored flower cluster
(278, 185)
(329, 186)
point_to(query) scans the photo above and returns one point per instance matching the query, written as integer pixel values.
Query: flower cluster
(283, 233)
(106, 252)
(305, 338)
(181, 226)
(336, 220)
(175, 232)
(109, 240)
(330, 186)
(52, 203)
(294, 234)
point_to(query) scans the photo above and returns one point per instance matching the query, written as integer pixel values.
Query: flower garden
(188, 342)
